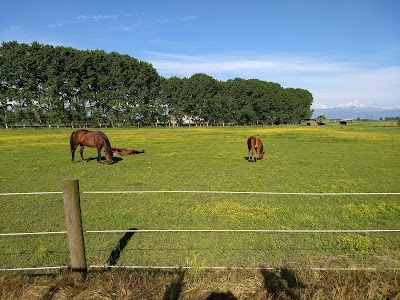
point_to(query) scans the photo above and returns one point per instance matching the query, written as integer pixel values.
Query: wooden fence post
(73, 219)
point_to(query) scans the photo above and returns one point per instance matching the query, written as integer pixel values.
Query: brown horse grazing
(123, 151)
(98, 139)
(255, 144)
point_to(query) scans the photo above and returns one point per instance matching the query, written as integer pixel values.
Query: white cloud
(13, 28)
(55, 25)
(373, 87)
(97, 17)
(190, 18)
(130, 28)
(181, 19)
(331, 82)
(187, 65)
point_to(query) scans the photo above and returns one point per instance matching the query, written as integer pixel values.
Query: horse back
(88, 138)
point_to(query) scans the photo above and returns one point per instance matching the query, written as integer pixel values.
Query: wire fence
(211, 192)
(212, 230)
(275, 231)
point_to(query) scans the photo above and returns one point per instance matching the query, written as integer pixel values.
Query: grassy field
(362, 158)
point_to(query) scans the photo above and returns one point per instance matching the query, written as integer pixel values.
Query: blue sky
(343, 52)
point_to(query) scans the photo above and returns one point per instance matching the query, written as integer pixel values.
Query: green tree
(322, 120)
(171, 93)
(49, 85)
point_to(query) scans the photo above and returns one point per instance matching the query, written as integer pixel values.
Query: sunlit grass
(356, 158)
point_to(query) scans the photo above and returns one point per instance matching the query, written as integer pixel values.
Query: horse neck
(106, 143)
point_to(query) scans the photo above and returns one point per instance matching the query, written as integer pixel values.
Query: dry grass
(222, 284)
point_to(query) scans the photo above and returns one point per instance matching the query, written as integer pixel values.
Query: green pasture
(361, 158)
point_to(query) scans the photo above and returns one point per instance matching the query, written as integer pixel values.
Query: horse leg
(73, 153)
(81, 152)
(99, 154)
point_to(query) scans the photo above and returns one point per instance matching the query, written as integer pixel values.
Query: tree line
(47, 85)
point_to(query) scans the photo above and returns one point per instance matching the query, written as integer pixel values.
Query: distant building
(186, 120)
(346, 121)
(311, 122)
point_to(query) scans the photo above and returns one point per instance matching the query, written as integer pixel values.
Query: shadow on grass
(115, 159)
(116, 252)
(174, 290)
(249, 159)
(282, 283)
(221, 296)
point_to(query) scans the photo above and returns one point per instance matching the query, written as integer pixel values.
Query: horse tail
(71, 140)
(249, 143)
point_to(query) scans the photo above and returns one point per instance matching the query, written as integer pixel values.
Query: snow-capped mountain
(354, 110)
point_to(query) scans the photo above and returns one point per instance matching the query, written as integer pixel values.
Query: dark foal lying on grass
(123, 151)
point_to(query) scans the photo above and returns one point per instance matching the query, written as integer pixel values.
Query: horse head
(109, 156)
(262, 154)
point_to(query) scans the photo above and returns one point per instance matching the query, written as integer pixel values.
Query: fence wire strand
(211, 192)
(370, 269)
(203, 230)
(212, 230)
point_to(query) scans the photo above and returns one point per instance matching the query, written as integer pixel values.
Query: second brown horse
(255, 145)
(123, 151)
(98, 139)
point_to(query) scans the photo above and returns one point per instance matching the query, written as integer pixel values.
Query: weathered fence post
(73, 219)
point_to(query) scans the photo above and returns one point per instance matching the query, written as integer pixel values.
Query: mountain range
(354, 112)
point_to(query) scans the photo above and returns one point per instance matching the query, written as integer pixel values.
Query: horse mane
(107, 144)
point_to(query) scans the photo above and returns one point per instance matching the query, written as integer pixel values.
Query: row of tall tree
(42, 84)
(236, 101)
